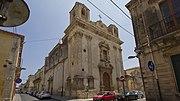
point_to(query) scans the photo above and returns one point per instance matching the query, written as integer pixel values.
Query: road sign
(18, 80)
(151, 66)
(122, 78)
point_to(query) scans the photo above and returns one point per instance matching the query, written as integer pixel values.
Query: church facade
(88, 60)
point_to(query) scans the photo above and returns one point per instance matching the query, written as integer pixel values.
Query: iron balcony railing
(165, 26)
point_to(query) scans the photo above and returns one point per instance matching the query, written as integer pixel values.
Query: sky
(48, 20)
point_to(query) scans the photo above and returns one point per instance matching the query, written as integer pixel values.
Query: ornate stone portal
(105, 68)
(105, 71)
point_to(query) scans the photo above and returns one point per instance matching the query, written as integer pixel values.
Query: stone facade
(39, 80)
(55, 65)
(94, 54)
(11, 45)
(88, 60)
(157, 34)
(29, 85)
(134, 79)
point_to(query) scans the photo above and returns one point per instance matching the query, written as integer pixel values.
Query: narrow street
(140, 99)
(26, 97)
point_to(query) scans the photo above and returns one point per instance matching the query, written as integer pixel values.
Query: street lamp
(131, 57)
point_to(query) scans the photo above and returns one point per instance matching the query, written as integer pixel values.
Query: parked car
(105, 96)
(34, 93)
(44, 94)
(131, 95)
(139, 93)
(37, 94)
(120, 97)
(30, 92)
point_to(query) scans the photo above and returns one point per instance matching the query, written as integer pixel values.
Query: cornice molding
(94, 29)
(88, 37)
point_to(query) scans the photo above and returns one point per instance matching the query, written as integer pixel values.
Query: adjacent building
(55, 65)
(29, 85)
(21, 88)
(11, 50)
(156, 26)
(39, 80)
(89, 58)
(134, 79)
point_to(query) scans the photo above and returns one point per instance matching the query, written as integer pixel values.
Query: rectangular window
(176, 66)
(171, 12)
(176, 5)
(176, 8)
(105, 55)
(166, 13)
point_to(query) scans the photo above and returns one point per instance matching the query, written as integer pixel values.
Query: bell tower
(79, 11)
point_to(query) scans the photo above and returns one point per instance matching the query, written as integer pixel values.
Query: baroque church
(89, 59)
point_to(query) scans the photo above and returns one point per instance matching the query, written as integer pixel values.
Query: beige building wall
(11, 49)
(134, 79)
(157, 34)
(29, 84)
(48, 82)
(78, 64)
(88, 65)
(39, 79)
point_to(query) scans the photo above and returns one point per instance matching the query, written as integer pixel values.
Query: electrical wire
(41, 40)
(121, 9)
(110, 18)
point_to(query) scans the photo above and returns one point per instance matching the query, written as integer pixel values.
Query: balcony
(165, 26)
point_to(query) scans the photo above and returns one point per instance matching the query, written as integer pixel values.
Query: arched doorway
(106, 81)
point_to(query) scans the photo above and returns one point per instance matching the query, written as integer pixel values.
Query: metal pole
(157, 80)
(155, 71)
(142, 77)
(118, 85)
(152, 75)
(124, 90)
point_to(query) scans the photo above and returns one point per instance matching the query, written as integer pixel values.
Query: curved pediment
(101, 25)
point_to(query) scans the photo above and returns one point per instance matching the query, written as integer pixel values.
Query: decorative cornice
(103, 44)
(94, 29)
(78, 34)
(88, 37)
(105, 65)
(119, 49)
(114, 47)
(152, 1)
(131, 4)
(69, 39)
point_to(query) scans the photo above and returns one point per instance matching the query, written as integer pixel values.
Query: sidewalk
(16, 97)
(69, 99)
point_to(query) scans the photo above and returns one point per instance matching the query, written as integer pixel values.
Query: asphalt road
(26, 97)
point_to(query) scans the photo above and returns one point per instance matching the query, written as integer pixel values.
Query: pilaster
(78, 51)
(89, 38)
